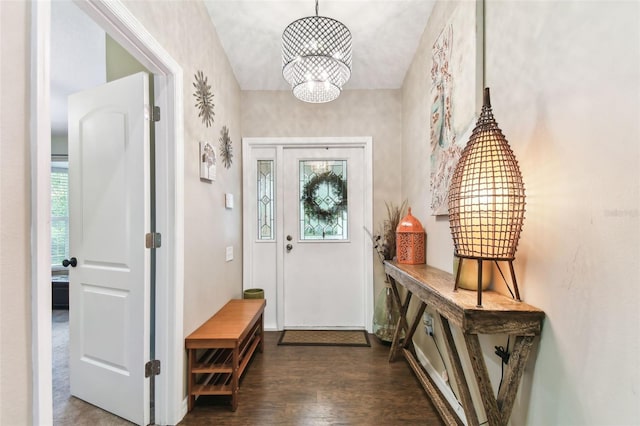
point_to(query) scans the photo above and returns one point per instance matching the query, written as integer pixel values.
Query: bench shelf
(221, 348)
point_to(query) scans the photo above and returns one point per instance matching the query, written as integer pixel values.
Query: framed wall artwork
(456, 96)
(207, 162)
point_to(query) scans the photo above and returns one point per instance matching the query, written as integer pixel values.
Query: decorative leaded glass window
(265, 200)
(323, 200)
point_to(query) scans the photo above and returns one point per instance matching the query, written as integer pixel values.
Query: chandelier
(316, 57)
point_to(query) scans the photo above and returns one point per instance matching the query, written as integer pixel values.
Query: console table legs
(458, 374)
(513, 374)
(500, 315)
(482, 379)
(498, 409)
(402, 326)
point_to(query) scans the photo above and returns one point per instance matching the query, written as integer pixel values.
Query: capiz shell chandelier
(316, 57)
(486, 198)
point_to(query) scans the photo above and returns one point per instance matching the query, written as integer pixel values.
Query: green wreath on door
(338, 191)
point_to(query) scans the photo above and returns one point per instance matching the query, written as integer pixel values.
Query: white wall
(15, 256)
(185, 31)
(78, 60)
(565, 80)
(375, 113)
(565, 86)
(416, 151)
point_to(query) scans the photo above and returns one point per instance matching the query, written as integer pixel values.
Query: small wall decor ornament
(338, 190)
(226, 150)
(207, 162)
(204, 98)
(410, 241)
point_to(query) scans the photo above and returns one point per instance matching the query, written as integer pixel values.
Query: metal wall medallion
(226, 149)
(204, 98)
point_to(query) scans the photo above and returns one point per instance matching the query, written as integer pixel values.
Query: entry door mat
(324, 338)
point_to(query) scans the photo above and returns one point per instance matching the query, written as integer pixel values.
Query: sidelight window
(265, 200)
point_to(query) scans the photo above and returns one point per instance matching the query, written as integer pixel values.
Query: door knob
(289, 238)
(73, 262)
(289, 247)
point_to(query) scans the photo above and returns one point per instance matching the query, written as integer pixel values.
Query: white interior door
(324, 260)
(109, 216)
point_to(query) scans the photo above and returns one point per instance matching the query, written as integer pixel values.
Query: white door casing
(324, 281)
(109, 208)
(264, 261)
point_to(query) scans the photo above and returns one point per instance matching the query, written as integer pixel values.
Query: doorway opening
(316, 266)
(85, 58)
(118, 22)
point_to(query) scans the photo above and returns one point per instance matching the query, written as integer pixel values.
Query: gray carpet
(68, 410)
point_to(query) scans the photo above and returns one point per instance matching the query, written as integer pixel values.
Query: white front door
(323, 233)
(109, 211)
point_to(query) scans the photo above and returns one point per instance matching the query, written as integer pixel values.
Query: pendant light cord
(316, 7)
(484, 45)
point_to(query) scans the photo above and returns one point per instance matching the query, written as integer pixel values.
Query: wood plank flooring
(69, 410)
(285, 385)
(314, 385)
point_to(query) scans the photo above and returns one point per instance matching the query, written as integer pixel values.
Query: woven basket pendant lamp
(316, 57)
(486, 199)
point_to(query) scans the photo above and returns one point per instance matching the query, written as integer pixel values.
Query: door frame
(280, 144)
(120, 24)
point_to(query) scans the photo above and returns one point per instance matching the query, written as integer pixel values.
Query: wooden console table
(498, 315)
(220, 349)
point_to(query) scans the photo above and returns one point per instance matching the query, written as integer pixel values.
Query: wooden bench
(220, 349)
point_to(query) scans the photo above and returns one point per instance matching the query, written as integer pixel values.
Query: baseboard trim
(441, 384)
(185, 408)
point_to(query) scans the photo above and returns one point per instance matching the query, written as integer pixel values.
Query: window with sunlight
(59, 212)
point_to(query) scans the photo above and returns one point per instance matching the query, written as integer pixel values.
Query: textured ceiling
(385, 37)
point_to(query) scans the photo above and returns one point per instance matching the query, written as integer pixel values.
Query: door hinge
(153, 240)
(151, 112)
(152, 368)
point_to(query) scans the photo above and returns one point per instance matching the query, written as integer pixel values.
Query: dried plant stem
(394, 215)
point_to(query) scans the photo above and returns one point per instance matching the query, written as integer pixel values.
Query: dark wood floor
(285, 385)
(315, 385)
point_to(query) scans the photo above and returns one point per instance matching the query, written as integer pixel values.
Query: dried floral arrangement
(384, 242)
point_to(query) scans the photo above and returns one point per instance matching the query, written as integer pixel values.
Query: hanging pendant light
(486, 198)
(316, 57)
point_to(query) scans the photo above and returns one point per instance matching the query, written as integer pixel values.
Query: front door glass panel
(323, 200)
